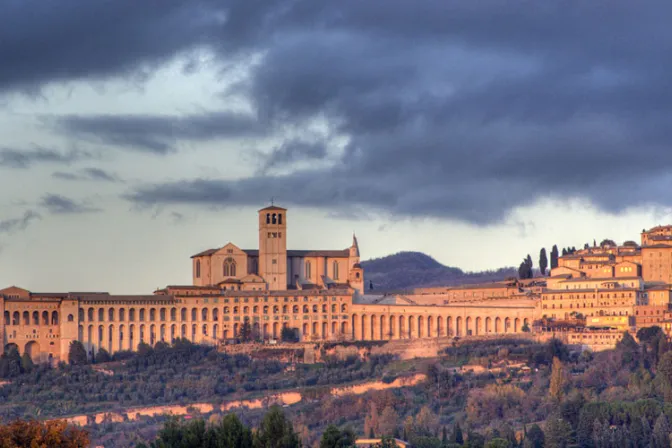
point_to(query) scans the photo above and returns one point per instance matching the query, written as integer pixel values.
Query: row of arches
(383, 327)
(194, 314)
(28, 318)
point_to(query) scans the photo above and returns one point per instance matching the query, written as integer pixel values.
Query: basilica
(318, 293)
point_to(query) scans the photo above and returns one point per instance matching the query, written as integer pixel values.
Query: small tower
(356, 274)
(273, 247)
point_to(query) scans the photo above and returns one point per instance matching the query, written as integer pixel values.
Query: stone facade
(318, 292)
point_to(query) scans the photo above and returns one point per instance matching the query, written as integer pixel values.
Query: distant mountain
(405, 270)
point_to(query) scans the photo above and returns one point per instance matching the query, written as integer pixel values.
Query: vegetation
(526, 268)
(31, 433)
(543, 261)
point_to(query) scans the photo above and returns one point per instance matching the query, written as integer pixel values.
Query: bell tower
(273, 247)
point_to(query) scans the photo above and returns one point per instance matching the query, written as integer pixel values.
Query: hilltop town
(590, 297)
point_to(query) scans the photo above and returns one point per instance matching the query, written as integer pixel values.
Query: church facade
(319, 293)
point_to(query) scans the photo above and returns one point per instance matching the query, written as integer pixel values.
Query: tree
(289, 334)
(558, 433)
(525, 328)
(534, 438)
(231, 432)
(554, 257)
(498, 442)
(245, 332)
(665, 367)
(457, 436)
(525, 268)
(556, 388)
(387, 442)
(10, 363)
(608, 242)
(564, 251)
(661, 432)
(77, 354)
(103, 356)
(144, 349)
(275, 431)
(388, 422)
(543, 261)
(335, 438)
(26, 362)
(29, 433)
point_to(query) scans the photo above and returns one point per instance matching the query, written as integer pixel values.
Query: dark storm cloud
(460, 110)
(158, 134)
(13, 225)
(16, 158)
(87, 174)
(60, 205)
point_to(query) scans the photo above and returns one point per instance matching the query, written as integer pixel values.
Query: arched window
(275, 218)
(198, 268)
(314, 308)
(335, 270)
(268, 218)
(308, 269)
(279, 218)
(229, 267)
(71, 318)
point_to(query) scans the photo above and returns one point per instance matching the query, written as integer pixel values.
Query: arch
(54, 318)
(468, 326)
(255, 309)
(204, 314)
(284, 309)
(344, 328)
(183, 314)
(89, 337)
(101, 337)
(80, 315)
(383, 328)
(305, 330)
(305, 309)
(402, 327)
(335, 269)
(498, 325)
(110, 338)
(91, 313)
(421, 325)
(229, 267)
(162, 333)
(276, 334)
(366, 331)
(162, 314)
(122, 314)
(80, 334)
(152, 314)
(193, 332)
(71, 318)
(274, 218)
(450, 331)
(131, 334)
(183, 331)
(215, 314)
(32, 348)
(121, 337)
(276, 309)
(507, 325)
(325, 331)
(488, 325)
(16, 318)
(516, 325)
(344, 308)
(458, 326)
(7, 318)
(309, 269)
(439, 326)
(152, 335)
(295, 309)
(430, 327)
(101, 314)
(194, 314)
(315, 330)
(36, 318)
(392, 328)
(477, 327)
(375, 331)
(26, 318)
(142, 333)
(412, 327)
(265, 309)
(110, 315)
(265, 331)
(215, 330)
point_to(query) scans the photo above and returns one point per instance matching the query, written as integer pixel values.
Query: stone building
(320, 293)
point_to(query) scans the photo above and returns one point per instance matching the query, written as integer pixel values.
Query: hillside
(406, 270)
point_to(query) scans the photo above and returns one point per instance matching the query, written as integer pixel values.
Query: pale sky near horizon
(133, 136)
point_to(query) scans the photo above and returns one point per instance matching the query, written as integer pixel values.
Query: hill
(405, 270)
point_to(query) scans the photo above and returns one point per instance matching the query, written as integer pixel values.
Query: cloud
(15, 158)
(12, 225)
(87, 174)
(159, 134)
(60, 205)
(454, 110)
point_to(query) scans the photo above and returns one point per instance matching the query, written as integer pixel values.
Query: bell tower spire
(273, 246)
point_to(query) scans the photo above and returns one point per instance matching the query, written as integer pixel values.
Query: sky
(136, 134)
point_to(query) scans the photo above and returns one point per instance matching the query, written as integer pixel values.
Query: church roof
(344, 253)
(273, 207)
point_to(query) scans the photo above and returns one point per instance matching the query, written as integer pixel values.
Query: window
(198, 268)
(335, 270)
(308, 269)
(229, 267)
